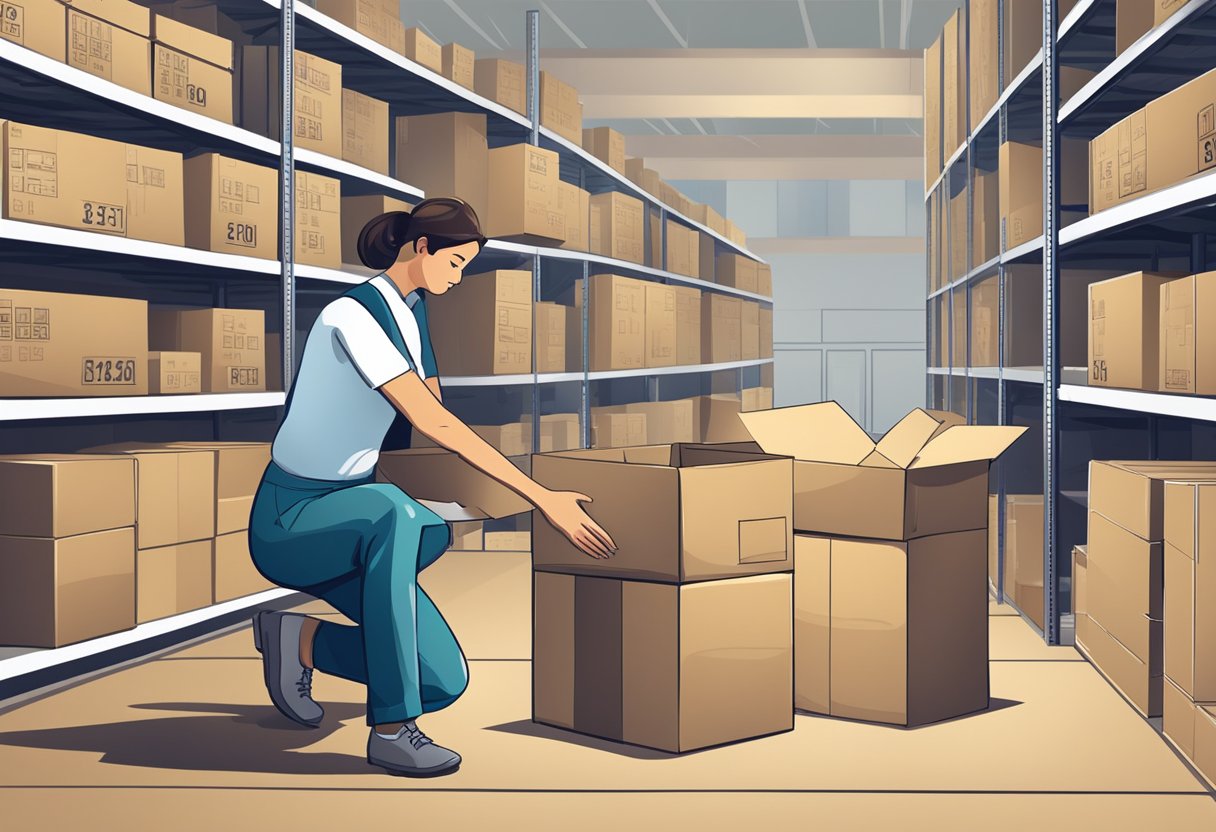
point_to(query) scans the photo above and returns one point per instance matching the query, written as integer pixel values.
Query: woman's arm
(415, 400)
(433, 385)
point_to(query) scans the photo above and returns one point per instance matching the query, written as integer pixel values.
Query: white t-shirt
(338, 418)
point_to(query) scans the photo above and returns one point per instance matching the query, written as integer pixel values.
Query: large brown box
(232, 206)
(707, 259)
(1190, 589)
(445, 154)
(1187, 359)
(365, 131)
(985, 217)
(61, 591)
(607, 145)
(1021, 36)
(1118, 163)
(370, 18)
(238, 473)
(39, 25)
(616, 322)
(688, 325)
(63, 495)
(1124, 324)
(484, 328)
(668, 422)
(174, 373)
(574, 205)
(558, 432)
(757, 398)
(956, 210)
(318, 98)
(502, 82)
(420, 48)
(764, 279)
(560, 110)
(891, 631)
(1132, 493)
(749, 330)
(721, 328)
(683, 250)
(1080, 594)
(233, 572)
(458, 64)
(109, 39)
(54, 344)
(1191, 728)
(645, 178)
(192, 68)
(670, 667)
(1024, 317)
(928, 475)
(1133, 19)
(661, 325)
(739, 272)
(318, 233)
(508, 439)
(678, 513)
(1126, 588)
(232, 343)
(615, 427)
(174, 493)
(1024, 554)
(984, 50)
(357, 212)
(1021, 187)
(172, 579)
(552, 319)
(933, 110)
(155, 195)
(618, 223)
(523, 201)
(1130, 676)
(440, 476)
(468, 536)
(954, 74)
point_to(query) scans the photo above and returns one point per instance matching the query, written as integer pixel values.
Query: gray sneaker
(411, 753)
(289, 682)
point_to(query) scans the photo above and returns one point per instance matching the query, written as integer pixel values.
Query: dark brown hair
(445, 222)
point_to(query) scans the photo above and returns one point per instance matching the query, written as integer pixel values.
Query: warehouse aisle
(188, 741)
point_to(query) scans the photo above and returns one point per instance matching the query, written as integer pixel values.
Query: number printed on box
(243, 377)
(104, 217)
(107, 371)
(243, 234)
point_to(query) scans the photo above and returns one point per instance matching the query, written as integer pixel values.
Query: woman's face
(445, 268)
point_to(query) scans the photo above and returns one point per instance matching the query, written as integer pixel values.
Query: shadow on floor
(238, 738)
(527, 728)
(994, 705)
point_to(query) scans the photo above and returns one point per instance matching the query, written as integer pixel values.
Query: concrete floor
(189, 741)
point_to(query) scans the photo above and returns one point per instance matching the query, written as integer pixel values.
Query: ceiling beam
(662, 15)
(806, 24)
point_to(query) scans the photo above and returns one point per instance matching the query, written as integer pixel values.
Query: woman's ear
(420, 246)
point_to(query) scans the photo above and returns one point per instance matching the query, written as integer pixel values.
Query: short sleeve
(369, 349)
(429, 368)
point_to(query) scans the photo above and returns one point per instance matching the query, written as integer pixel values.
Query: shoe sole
(416, 774)
(270, 674)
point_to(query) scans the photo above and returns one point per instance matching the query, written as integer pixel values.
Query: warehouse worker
(322, 525)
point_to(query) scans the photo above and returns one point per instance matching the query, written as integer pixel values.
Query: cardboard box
(1132, 493)
(670, 667)
(707, 258)
(613, 427)
(984, 49)
(985, 217)
(739, 272)
(1024, 554)
(1021, 37)
(174, 373)
(607, 145)
(719, 419)
(174, 493)
(468, 536)
(65, 590)
(1072, 80)
(1080, 594)
(552, 320)
(954, 104)
(485, 328)
(1188, 318)
(523, 200)
(766, 332)
(370, 18)
(502, 82)
(238, 473)
(422, 50)
(688, 325)
(1191, 728)
(757, 398)
(172, 579)
(36, 24)
(928, 475)
(1118, 160)
(1124, 324)
(155, 195)
(616, 322)
(365, 131)
(707, 216)
(63, 495)
(231, 342)
(318, 98)
(645, 178)
(749, 340)
(574, 205)
(891, 632)
(683, 250)
(1021, 187)
(560, 109)
(1133, 19)
(721, 328)
(764, 279)
(660, 325)
(1024, 318)
(1128, 674)
(957, 218)
(458, 64)
(1126, 588)
(1180, 138)
(232, 206)
(618, 227)
(446, 154)
(109, 39)
(439, 476)
(318, 233)
(233, 572)
(558, 431)
(55, 344)
(668, 422)
(933, 110)
(192, 69)
(1190, 589)
(206, 16)
(506, 541)
(508, 439)
(357, 212)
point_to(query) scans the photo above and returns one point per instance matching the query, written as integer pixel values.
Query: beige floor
(188, 741)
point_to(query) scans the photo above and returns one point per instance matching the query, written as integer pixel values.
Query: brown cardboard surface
(984, 48)
(445, 154)
(172, 579)
(719, 418)
(757, 398)
(607, 145)
(1178, 719)
(663, 666)
(1072, 79)
(552, 319)
(234, 575)
(318, 98)
(1080, 593)
(523, 202)
(574, 205)
(1118, 160)
(1187, 317)
(688, 325)
(986, 217)
(61, 495)
(174, 494)
(677, 513)
(1130, 676)
(660, 325)
(358, 211)
(36, 24)
(367, 17)
(508, 541)
(1021, 187)
(956, 211)
(174, 373)
(54, 344)
(192, 68)
(1124, 324)
(458, 64)
(1132, 493)
(738, 271)
(953, 104)
(365, 131)
(749, 331)
(65, 590)
(1181, 135)
(1022, 37)
(231, 206)
(468, 536)
(485, 326)
(420, 48)
(502, 82)
(560, 110)
(1126, 588)
(155, 195)
(1024, 554)
(618, 226)
(613, 427)
(1190, 589)
(721, 328)
(1133, 18)
(106, 49)
(764, 275)
(812, 623)
(230, 341)
(318, 233)
(645, 178)
(933, 110)
(441, 476)
(617, 322)
(683, 250)
(668, 422)
(238, 472)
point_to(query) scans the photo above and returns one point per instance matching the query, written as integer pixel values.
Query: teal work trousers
(360, 547)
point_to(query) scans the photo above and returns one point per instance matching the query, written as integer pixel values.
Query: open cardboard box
(449, 486)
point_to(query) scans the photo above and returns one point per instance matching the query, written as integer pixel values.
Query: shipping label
(12, 22)
(1206, 126)
(107, 371)
(90, 45)
(173, 80)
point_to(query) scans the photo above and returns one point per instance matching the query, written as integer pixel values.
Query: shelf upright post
(969, 260)
(586, 332)
(1002, 277)
(287, 201)
(533, 90)
(1051, 318)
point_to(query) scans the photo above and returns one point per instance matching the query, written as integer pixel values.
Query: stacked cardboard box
(193, 69)
(885, 527)
(1024, 318)
(318, 232)
(376, 19)
(956, 209)
(552, 324)
(615, 427)
(523, 199)
(683, 250)
(446, 154)
(749, 330)
(231, 206)
(954, 84)
(933, 111)
(421, 49)
(1136, 18)
(39, 26)
(232, 343)
(984, 49)
(459, 64)
(357, 212)
(721, 328)
(174, 373)
(617, 322)
(766, 331)
(558, 431)
(661, 324)
(574, 206)
(986, 217)
(502, 82)
(486, 327)
(757, 398)
(688, 325)
(607, 145)
(645, 178)
(1021, 188)
(1024, 554)
(618, 227)
(718, 418)
(1124, 326)
(67, 548)
(365, 131)
(708, 217)
(318, 98)
(110, 39)
(1187, 360)
(714, 662)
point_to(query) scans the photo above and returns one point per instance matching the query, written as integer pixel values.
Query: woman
(320, 523)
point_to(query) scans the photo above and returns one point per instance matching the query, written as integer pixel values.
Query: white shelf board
(603, 375)
(12, 410)
(940, 371)
(328, 275)
(39, 660)
(1023, 251)
(1161, 404)
(1073, 19)
(313, 159)
(1197, 189)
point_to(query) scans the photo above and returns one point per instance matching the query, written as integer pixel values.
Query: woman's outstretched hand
(565, 511)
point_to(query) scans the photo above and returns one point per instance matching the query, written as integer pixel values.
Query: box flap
(192, 41)
(948, 418)
(877, 460)
(964, 443)
(909, 436)
(821, 432)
